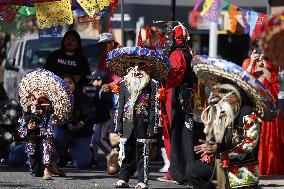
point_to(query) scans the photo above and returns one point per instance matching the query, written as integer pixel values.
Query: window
(37, 51)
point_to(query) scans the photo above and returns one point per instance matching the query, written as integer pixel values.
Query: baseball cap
(98, 75)
(105, 37)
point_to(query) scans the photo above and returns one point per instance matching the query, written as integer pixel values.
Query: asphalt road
(95, 177)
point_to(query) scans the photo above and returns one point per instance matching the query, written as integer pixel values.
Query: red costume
(179, 129)
(113, 79)
(175, 77)
(270, 155)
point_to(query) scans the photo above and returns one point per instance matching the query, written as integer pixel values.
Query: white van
(29, 53)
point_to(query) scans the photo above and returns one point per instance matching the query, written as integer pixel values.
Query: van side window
(13, 50)
(20, 52)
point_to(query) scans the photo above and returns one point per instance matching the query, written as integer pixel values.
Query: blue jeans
(18, 156)
(82, 152)
(82, 155)
(62, 140)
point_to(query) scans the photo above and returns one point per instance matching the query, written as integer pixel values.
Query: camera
(258, 50)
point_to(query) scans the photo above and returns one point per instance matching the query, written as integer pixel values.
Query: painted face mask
(175, 34)
(39, 103)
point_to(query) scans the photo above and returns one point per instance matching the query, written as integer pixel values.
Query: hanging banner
(23, 2)
(225, 5)
(197, 4)
(262, 18)
(244, 19)
(54, 14)
(27, 11)
(8, 12)
(214, 12)
(233, 18)
(206, 7)
(92, 7)
(251, 22)
(253, 16)
(53, 32)
(87, 20)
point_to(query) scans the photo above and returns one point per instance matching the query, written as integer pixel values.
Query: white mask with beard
(220, 123)
(135, 81)
(222, 114)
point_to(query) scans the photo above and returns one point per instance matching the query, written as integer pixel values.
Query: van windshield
(37, 51)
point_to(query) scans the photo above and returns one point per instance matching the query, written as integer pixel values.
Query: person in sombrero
(237, 104)
(46, 101)
(138, 118)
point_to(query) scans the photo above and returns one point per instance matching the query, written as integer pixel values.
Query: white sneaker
(120, 184)
(166, 166)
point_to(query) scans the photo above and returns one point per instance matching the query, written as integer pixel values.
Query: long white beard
(219, 124)
(135, 86)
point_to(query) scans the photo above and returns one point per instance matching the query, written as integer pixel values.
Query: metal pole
(173, 10)
(213, 38)
(268, 9)
(122, 23)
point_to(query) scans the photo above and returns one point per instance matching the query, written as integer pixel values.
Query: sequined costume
(134, 143)
(243, 101)
(46, 102)
(138, 113)
(39, 144)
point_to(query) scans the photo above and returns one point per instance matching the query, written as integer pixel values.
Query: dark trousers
(199, 175)
(35, 164)
(184, 136)
(136, 156)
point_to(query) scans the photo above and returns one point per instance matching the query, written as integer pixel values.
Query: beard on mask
(222, 116)
(135, 85)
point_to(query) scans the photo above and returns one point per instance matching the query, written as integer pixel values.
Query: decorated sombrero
(119, 60)
(272, 39)
(53, 87)
(212, 71)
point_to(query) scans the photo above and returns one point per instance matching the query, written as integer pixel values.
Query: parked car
(29, 53)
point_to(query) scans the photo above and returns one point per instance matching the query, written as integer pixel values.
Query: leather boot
(55, 170)
(47, 174)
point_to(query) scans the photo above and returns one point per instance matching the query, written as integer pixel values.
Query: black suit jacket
(144, 114)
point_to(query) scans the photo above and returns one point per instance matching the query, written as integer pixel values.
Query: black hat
(98, 75)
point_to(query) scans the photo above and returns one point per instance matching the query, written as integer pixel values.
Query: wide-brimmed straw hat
(121, 59)
(55, 88)
(272, 39)
(212, 71)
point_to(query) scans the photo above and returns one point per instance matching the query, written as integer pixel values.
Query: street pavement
(95, 177)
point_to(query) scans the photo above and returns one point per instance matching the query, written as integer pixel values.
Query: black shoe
(95, 162)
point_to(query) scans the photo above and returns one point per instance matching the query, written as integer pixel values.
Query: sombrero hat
(272, 39)
(53, 87)
(212, 71)
(119, 60)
